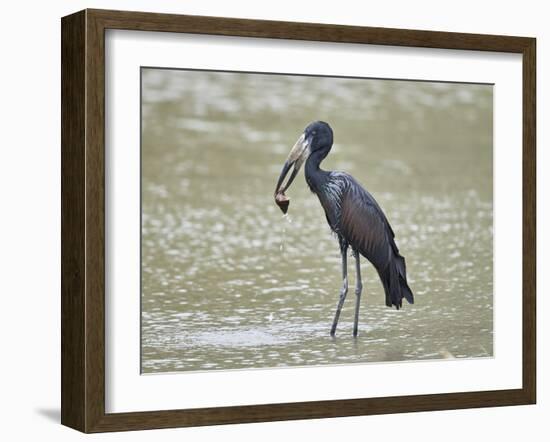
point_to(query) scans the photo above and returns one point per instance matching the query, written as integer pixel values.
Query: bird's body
(354, 216)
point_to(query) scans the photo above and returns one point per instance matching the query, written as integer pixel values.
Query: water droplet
(286, 218)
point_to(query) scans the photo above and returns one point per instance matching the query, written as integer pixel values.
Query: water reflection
(228, 283)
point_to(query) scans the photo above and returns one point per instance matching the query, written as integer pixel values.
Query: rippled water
(228, 283)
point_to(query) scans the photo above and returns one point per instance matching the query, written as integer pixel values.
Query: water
(228, 283)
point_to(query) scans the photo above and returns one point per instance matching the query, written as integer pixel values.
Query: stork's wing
(365, 226)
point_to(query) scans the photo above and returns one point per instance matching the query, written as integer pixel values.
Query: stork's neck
(315, 176)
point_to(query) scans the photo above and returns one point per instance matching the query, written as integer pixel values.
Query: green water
(228, 283)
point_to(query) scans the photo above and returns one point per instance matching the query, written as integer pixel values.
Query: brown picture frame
(83, 220)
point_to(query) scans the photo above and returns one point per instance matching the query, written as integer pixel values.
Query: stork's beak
(299, 153)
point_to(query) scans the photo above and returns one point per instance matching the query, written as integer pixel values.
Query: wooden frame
(83, 216)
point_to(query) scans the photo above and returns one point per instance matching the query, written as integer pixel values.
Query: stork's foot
(343, 294)
(358, 290)
(344, 289)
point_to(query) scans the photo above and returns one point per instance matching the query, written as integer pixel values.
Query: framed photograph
(269, 220)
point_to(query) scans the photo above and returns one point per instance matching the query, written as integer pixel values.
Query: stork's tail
(394, 279)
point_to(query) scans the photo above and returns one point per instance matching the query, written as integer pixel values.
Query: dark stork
(352, 214)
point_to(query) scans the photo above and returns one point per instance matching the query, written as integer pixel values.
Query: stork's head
(317, 136)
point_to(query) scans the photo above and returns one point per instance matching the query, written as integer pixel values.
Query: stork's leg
(343, 291)
(358, 289)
